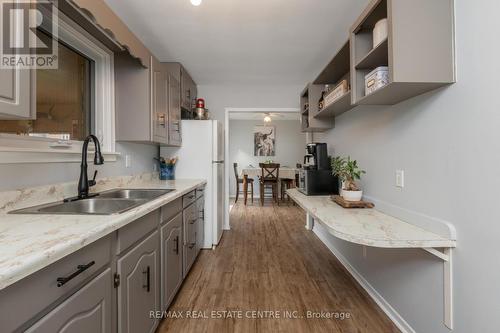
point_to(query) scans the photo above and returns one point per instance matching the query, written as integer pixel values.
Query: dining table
(255, 172)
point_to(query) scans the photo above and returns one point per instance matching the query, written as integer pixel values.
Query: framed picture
(264, 140)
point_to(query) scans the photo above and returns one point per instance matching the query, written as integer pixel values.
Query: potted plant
(348, 172)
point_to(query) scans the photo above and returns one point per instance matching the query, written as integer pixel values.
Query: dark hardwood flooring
(270, 262)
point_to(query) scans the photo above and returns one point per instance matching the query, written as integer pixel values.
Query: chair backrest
(270, 171)
(235, 166)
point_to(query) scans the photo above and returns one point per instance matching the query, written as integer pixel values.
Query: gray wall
(18, 176)
(290, 145)
(448, 143)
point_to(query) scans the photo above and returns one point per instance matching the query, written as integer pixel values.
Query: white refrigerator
(202, 157)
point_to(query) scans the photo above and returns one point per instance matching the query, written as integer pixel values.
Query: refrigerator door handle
(217, 162)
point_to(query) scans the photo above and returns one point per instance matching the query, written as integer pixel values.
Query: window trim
(26, 149)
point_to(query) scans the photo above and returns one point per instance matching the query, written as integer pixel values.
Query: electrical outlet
(400, 178)
(128, 161)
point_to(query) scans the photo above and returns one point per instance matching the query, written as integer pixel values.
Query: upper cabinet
(174, 110)
(188, 89)
(401, 49)
(17, 94)
(397, 49)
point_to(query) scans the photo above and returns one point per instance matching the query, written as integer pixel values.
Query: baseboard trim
(393, 315)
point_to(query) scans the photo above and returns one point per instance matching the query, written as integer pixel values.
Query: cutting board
(351, 204)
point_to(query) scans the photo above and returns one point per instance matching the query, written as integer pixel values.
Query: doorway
(245, 142)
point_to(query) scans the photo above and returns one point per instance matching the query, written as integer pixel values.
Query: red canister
(200, 103)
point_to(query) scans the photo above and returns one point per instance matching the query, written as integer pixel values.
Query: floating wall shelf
(419, 52)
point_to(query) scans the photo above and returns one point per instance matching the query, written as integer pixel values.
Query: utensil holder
(167, 172)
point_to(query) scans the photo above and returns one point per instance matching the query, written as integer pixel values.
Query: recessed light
(196, 2)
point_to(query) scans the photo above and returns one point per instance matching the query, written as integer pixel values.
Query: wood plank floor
(269, 262)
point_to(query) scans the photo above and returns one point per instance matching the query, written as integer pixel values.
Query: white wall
(290, 145)
(448, 143)
(219, 97)
(18, 176)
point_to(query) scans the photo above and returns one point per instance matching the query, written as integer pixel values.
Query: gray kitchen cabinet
(141, 100)
(88, 310)
(17, 94)
(159, 102)
(174, 111)
(309, 107)
(138, 290)
(200, 229)
(190, 221)
(171, 260)
(188, 89)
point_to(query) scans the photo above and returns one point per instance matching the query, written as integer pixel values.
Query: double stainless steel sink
(105, 203)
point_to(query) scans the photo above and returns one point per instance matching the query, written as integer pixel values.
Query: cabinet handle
(176, 249)
(79, 270)
(190, 196)
(191, 245)
(202, 214)
(147, 272)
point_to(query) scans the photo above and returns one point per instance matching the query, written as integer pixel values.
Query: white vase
(351, 195)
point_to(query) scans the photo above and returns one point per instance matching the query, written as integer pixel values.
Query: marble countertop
(29, 243)
(367, 226)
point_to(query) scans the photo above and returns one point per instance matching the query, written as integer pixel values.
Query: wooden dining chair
(245, 181)
(270, 174)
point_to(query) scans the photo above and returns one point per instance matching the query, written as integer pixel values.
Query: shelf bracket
(446, 256)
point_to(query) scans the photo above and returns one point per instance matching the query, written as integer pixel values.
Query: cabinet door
(88, 310)
(171, 259)
(190, 235)
(138, 292)
(200, 230)
(174, 111)
(186, 89)
(17, 94)
(159, 102)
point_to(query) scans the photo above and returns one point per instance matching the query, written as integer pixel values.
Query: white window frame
(27, 149)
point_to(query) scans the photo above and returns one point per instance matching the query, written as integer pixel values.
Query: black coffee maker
(317, 157)
(316, 177)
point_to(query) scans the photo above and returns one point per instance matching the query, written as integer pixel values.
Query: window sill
(17, 155)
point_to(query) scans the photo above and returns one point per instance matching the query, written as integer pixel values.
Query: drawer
(200, 191)
(87, 310)
(137, 230)
(38, 291)
(189, 198)
(170, 210)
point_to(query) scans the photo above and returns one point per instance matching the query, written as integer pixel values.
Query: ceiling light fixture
(267, 119)
(196, 2)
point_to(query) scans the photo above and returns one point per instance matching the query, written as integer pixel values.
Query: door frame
(227, 168)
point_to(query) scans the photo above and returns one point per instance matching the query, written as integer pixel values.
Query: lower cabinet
(81, 293)
(138, 291)
(171, 259)
(200, 229)
(190, 235)
(87, 310)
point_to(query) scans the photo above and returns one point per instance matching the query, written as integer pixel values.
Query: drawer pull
(79, 270)
(176, 249)
(190, 196)
(202, 214)
(147, 272)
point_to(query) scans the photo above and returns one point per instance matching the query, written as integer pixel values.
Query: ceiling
(260, 116)
(262, 42)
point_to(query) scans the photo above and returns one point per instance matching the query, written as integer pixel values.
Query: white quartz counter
(367, 226)
(29, 243)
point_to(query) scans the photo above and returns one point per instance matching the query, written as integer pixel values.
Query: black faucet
(84, 183)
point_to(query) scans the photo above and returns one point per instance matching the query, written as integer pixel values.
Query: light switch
(400, 178)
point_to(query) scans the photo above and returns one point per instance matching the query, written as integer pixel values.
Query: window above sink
(70, 102)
